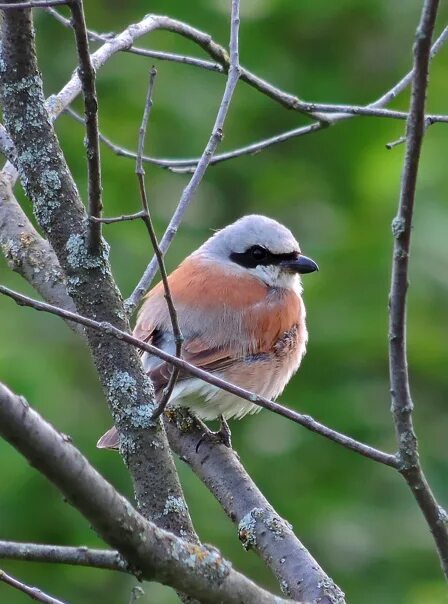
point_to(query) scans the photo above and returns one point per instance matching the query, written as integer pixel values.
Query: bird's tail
(109, 440)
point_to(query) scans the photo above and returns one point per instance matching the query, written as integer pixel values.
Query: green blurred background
(337, 190)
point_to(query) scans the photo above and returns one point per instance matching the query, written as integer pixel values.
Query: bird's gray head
(263, 247)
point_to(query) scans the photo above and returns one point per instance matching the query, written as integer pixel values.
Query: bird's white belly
(209, 402)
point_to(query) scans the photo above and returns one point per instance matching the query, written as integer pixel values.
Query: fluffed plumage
(240, 310)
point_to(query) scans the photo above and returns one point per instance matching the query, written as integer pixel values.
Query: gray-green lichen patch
(332, 591)
(122, 387)
(247, 526)
(175, 505)
(12, 251)
(398, 226)
(442, 516)
(276, 525)
(78, 255)
(204, 559)
(123, 398)
(284, 586)
(2, 61)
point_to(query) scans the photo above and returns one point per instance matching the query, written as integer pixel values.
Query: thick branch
(402, 404)
(28, 254)
(194, 569)
(61, 214)
(259, 526)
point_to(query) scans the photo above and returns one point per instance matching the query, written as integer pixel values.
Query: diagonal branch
(259, 526)
(158, 554)
(402, 404)
(146, 217)
(304, 420)
(33, 592)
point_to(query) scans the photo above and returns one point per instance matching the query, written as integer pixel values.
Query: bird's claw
(221, 437)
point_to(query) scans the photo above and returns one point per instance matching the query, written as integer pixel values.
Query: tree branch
(144, 52)
(60, 212)
(158, 554)
(402, 404)
(259, 526)
(304, 420)
(61, 554)
(86, 73)
(146, 216)
(216, 136)
(33, 592)
(55, 106)
(33, 4)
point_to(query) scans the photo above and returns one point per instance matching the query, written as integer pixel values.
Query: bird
(238, 299)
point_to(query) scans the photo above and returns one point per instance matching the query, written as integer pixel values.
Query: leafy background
(337, 190)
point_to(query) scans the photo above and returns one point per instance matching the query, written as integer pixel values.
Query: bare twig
(178, 338)
(60, 554)
(304, 420)
(33, 592)
(214, 140)
(402, 404)
(144, 52)
(123, 218)
(34, 4)
(195, 569)
(87, 76)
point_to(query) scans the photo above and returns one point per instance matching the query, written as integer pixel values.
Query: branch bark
(33, 592)
(59, 210)
(402, 404)
(158, 554)
(60, 554)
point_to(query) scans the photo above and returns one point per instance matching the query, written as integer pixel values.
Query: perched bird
(240, 310)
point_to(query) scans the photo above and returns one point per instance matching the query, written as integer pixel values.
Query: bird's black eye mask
(257, 255)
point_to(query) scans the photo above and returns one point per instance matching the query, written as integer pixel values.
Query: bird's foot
(221, 437)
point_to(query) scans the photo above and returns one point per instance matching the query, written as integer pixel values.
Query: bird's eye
(258, 253)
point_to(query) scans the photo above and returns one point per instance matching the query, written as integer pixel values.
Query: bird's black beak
(301, 265)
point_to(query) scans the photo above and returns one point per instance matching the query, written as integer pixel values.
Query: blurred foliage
(338, 192)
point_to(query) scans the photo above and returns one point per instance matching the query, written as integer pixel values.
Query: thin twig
(87, 76)
(123, 218)
(34, 4)
(33, 592)
(402, 404)
(144, 52)
(214, 140)
(304, 420)
(146, 217)
(60, 554)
